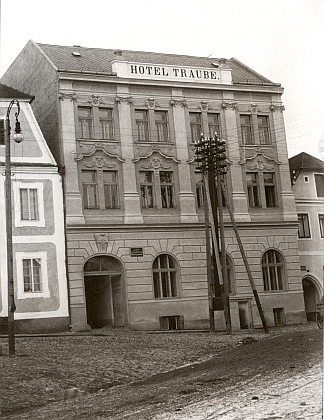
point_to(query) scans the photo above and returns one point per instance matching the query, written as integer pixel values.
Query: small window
(90, 190)
(270, 189)
(246, 129)
(164, 277)
(161, 124)
(306, 178)
(106, 123)
(273, 271)
(303, 226)
(264, 129)
(319, 182)
(147, 189)
(142, 129)
(29, 204)
(2, 132)
(321, 224)
(167, 189)
(195, 126)
(199, 190)
(214, 125)
(32, 275)
(171, 322)
(85, 122)
(278, 315)
(253, 189)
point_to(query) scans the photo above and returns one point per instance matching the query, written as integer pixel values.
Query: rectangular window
(303, 226)
(171, 322)
(141, 120)
(32, 274)
(253, 189)
(264, 130)
(29, 204)
(214, 125)
(270, 189)
(106, 123)
(167, 189)
(147, 189)
(319, 182)
(199, 190)
(321, 224)
(278, 315)
(195, 126)
(2, 132)
(111, 189)
(161, 123)
(246, 129)
(90, 190)
(85, 122)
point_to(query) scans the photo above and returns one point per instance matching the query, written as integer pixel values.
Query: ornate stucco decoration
(150, 103)
(95, 100)
(125, 99)
(67, 95)
(204, 105)
(275, 108)
(101, 151)
(102, 241)
(178, 102)
(254, 108)
(155, 163)
(99, 162)
(229, 105)
(259, 161)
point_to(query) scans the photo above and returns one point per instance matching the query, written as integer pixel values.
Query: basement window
(279, 316)
(168, 323)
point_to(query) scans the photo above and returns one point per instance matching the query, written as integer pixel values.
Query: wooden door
(118, 315)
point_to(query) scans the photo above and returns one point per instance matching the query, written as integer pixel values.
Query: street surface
(276, 377)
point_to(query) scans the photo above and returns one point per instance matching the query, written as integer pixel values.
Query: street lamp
(18, 138)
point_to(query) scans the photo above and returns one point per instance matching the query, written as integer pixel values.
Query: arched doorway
(103, 292)
(310, 298)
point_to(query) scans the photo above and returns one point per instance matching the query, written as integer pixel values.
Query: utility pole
(206, 157)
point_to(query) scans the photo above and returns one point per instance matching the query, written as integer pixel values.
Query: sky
(281, 39)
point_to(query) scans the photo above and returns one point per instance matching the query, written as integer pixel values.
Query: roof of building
(304, 161)
(7, 92)
(99, 60)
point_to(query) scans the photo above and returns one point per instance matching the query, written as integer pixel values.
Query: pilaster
(187, 201)
(131, 196)
(73, 199)
(239, 200)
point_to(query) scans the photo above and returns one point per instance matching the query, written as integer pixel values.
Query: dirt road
(278, 377)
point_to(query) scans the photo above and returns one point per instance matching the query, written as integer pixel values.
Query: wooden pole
(247, 267)
(208, 259)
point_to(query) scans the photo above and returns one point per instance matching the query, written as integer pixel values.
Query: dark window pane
(319, 182)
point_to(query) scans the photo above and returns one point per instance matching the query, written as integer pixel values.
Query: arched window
(273, 271)
(164, 277)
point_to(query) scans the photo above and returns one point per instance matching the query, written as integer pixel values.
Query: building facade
(123, 126)
(41, 295)
(307, 175)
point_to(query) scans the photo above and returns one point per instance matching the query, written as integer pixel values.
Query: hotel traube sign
(172, 73)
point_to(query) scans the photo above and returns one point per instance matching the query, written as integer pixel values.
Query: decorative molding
(180, 102)
(158, 152)
(259, 161)
(95, 100)
(97, 148)
(125, 99)
(102, 242)
(99, 162)
(204, 105)
(229, 105)
(275, 108)
(254, 108)
(150, 103)
(67, 95)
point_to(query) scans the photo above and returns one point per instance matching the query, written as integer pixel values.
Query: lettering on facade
(174, 72)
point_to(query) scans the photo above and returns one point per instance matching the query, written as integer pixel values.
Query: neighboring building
(123, 124)
(307, 177)
(38, 226)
